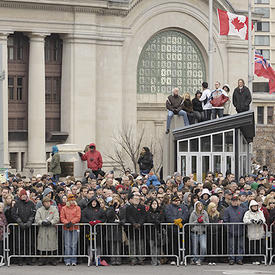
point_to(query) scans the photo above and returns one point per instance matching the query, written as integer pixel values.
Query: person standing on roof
(94, 159)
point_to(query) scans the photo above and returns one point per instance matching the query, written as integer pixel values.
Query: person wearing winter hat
(47, 216)
(69, 216)
(55, 167)
(23, 213)
(254, 218)
(198, 232)
(205, 195)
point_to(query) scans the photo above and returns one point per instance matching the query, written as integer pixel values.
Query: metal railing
(136, 243)
(272, 242)
(116, 241)
(54, 241)
(2, 245)
(222, 240)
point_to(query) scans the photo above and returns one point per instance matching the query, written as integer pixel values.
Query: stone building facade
(80, 71)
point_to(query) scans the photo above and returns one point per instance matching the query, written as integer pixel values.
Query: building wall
(102, 42)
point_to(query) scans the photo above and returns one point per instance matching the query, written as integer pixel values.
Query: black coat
(241, 99)
(23, 211)
(146, 161)
(136, 215)
(114, 232)
(93, 213)
(197, 105)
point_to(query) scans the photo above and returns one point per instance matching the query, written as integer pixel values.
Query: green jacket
(55, 167)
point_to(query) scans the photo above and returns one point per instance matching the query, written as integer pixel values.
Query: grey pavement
(220, 269)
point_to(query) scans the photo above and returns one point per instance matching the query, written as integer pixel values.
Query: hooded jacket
(94, 159)
(71, 214)
(55, 167)
(153, 180)
(198, 228)
(91, 213)
(146, 161)
(254, 231)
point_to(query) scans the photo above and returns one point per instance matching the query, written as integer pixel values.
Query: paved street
(221, 269)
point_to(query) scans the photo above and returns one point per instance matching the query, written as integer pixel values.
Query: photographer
(94, 159)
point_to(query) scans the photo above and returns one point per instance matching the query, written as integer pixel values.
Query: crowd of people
(207, 104)
(99, 198)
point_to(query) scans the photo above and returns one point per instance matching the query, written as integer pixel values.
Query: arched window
(170, 59)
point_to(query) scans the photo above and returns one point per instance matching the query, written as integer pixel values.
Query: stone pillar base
(32, 169)
(71, 163)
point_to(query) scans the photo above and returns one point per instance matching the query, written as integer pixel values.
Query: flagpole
(250, 53)
(210, 45)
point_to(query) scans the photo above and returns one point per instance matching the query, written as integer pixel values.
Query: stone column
(36, 104)
(78, 89)
(4, 103)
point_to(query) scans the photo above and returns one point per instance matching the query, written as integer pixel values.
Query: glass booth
(214, 152)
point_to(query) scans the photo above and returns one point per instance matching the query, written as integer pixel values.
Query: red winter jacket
(94, 159)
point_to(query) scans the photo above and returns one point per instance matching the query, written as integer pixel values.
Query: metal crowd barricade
(272, 243)
(2, 245)
(221, 240)
(116, 241)
(23, 243)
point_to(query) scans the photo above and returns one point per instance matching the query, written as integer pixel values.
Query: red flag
(233, 24)
(263, 68)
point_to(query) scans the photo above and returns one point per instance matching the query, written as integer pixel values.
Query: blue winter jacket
(234, 214)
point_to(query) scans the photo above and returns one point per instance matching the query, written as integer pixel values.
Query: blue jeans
(198, 240)
(236, 247)
(216, 112)
(180, 113)
(70, 243)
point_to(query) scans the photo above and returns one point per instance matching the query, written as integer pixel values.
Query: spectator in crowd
(228, 104)
(23, 214)
(136, 216)
(55, 167)
(47, 217)
(93, 158)
(198, 232)
(241, 97)
(145, 161)
(174, 105)
(218, 98)
(188, 108)
(234, 214)
(69, 216)
(197, 107)
(255, 219)
(205, 99)
(3, 224)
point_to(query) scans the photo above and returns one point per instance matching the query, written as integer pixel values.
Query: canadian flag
(233, 24)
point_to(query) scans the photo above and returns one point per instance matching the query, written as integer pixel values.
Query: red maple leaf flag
(233, 24)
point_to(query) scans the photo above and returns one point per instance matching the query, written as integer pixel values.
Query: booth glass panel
(183, 165)
(217, 163)
(183, 146)
(228, 163)
(194, 166)
(194, 145)
(206, 144)
(217, 142)
(205, 166)
(244, 166)
(228, 141)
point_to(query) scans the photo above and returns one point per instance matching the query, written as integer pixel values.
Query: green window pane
(170, 59)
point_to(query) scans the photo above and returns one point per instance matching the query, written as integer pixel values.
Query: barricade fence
(148, 241)
(272, 242)
(192, 243)
(51, 242)
(2, 244)
(224, 240)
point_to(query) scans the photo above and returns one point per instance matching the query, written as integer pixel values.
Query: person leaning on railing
(234, 214)
(254, 218)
